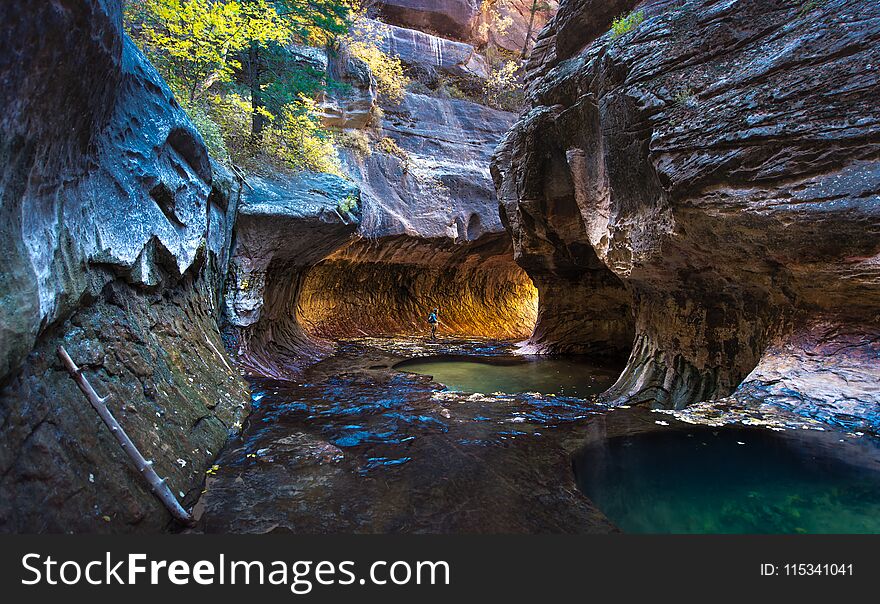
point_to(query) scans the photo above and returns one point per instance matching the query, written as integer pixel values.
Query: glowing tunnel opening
(389, 290)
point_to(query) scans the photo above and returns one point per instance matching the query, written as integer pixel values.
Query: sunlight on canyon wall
(390, 290)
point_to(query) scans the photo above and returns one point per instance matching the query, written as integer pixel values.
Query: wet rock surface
(356, 446)
(423, 51)
(115, 229)
(391, 286)
(694, 166)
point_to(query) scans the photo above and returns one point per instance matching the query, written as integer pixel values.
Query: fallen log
(157, 485)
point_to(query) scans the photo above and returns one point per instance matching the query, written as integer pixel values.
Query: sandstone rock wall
(114, 233)
(286, 224)
(390, 287)
(720, 161)
(504, 23)
(429, 234)
(449, 18)
(430, 231)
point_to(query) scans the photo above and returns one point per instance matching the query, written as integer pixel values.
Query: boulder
(718, 164)
(447, 18)
(350, 105)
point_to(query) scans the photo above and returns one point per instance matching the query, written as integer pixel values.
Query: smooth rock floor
(356, 446)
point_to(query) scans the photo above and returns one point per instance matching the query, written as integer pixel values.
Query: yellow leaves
(504, 86)
(200, 46)
(293, 139)
(194, 41)
(212, 470)
(363, 42)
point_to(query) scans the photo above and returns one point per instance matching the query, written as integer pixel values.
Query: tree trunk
(258, 120)
(525, 49)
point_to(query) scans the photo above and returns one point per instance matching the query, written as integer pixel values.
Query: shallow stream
(478, 441)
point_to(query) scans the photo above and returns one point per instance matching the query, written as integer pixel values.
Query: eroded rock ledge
(720, 167)
(426, 232)
(286, 224)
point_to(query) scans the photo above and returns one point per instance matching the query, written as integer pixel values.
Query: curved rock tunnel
(633, 250)
(389, 287)
(383, 288)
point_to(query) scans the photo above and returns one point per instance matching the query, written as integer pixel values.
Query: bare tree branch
(157, 485)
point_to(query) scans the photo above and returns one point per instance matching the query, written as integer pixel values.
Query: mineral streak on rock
(416, 48)
(717, 166)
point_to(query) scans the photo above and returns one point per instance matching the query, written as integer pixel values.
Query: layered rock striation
(115, 234)
(715, 170)
(425, 234)
(430, 233)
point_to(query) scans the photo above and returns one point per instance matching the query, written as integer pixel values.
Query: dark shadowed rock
(721, 162)
(449, 18)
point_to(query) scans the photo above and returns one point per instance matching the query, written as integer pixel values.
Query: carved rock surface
(390, 286)
(436, 182)
(113, 232)
(285, 225)
(416, 48)
(719, 163)
(430, 234)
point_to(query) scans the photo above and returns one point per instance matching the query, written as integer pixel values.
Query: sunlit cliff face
(390, 288)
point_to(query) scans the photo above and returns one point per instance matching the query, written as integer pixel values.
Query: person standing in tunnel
(433, 320)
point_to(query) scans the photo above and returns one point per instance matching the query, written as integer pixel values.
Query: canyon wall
(115, 232)
(717, 170)
(426, 229)
(286, 224)
(430, 234)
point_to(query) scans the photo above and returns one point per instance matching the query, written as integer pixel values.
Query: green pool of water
(730, 481)
(569, 376)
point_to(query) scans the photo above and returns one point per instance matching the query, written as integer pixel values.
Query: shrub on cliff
(293, 138)
(356, 140)
(625, 24)
(363, 42)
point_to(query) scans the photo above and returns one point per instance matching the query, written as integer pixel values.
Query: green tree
(272, 77)
(196, 43)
